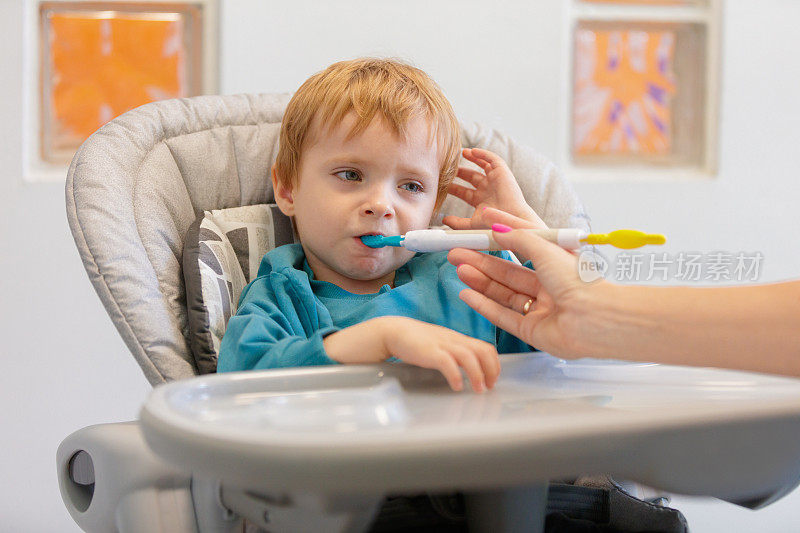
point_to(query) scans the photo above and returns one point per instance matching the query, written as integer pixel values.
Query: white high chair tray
(394, 427)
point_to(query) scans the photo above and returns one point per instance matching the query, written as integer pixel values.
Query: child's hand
(417, 343)
(495, 187)
(445, 350)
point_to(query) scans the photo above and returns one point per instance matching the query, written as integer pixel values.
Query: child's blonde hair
(368, 87)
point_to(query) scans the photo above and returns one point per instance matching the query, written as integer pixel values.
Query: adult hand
(493, 187)
(752, 328)
(499, 290)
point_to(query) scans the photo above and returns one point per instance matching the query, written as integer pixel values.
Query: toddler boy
(370, 146)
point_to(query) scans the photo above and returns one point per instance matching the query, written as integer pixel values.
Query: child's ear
(283, 195)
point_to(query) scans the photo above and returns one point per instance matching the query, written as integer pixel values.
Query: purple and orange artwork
(623, 87)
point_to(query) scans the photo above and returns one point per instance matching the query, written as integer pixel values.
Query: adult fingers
(517, 278)
(475, 279)
(502, 317)
(554, 265)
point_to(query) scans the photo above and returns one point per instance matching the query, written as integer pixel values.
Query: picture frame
(87, 62)
(690, 86)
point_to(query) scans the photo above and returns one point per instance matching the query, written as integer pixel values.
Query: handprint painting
(98, 64)
(623, 89)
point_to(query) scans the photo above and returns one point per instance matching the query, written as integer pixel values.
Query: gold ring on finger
(527, 306)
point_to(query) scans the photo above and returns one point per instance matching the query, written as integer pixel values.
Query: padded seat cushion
(222, 252)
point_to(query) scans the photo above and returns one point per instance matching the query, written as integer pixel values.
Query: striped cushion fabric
(222, 251)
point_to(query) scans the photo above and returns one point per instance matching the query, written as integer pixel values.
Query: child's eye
(348, 175)
(412, 186)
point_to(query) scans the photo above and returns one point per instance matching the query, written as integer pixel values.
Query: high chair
(319, 449)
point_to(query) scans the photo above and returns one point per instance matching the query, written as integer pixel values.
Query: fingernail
(500, 228)
(483, 209)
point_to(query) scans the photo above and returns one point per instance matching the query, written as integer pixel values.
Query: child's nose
(378, 209)
(378, 200)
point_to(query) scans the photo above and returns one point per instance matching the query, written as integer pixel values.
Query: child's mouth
(361, 242)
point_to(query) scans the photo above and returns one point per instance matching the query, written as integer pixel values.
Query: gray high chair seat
(133, 189)
(139, 182)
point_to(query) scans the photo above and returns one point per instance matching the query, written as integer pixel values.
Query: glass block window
(643, 85)
(101, 59)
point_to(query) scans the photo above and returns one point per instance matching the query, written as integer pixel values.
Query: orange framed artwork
(101, 59)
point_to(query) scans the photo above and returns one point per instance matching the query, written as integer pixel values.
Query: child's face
(373, 183)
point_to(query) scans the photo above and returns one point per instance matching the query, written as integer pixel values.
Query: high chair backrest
(137, 184)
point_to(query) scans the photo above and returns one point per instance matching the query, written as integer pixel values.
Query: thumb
(555, 267)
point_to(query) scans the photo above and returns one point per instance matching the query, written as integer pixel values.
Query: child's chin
(369, 269)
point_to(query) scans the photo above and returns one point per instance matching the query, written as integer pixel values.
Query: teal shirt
(285, 313)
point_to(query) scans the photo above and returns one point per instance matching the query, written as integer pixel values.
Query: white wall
(752, 206)
(65, 366)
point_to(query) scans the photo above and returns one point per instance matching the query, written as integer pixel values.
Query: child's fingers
(464, 193)
(435, 358)
(455, 222)
(473, 177)
(489, 158)
(490, 362)
(466, 359)
(471, 154)
(496, 216)
(449, 368)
